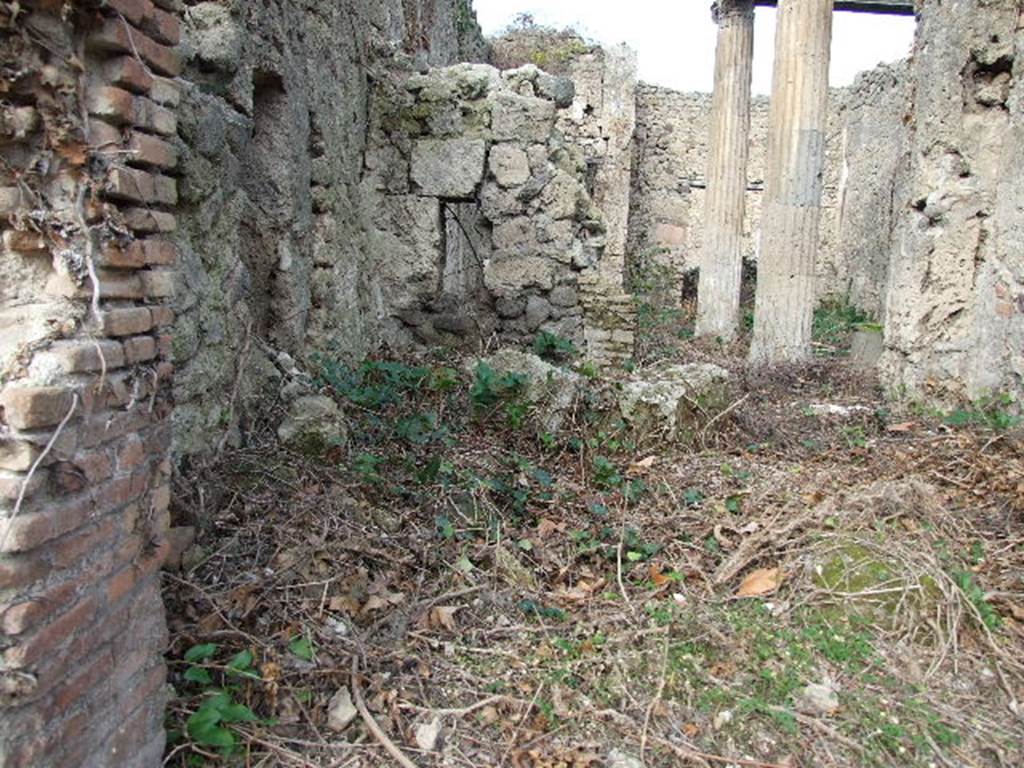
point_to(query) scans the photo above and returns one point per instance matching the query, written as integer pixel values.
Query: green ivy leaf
(200, 652)
(198, 675)
(238, 713)
(302, 648)
(242, 663)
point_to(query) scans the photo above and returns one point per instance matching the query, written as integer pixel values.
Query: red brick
(165, 92)
(139, 349)
(151, 151)
(165, 345)
(84, 470)
(131, 454)
(121, 584)
(25, 615)
(163, 26)
(159, 253)
(151, 116)
(115, 35)
(138, 186)
(159, 284)
(116, 256)
(113, 285)
(28, 531)
(127, 72)
(52, 636)
(127, 322)
(133, 10)
(24, 241)
(105, 428)
(35, 407)
(90, 677)
(143, 689)
(118, 493)
(165, 190)
(162, 316)
(146, 222)
(13, 485)
(130, 184)
(104, 137)
(20, 570)
(115, 105)
(71, 550)
(131, 736)
(82, 356)
(17, 455)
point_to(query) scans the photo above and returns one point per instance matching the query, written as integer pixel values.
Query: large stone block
(521, 118)
(448, 167)
(509, 165)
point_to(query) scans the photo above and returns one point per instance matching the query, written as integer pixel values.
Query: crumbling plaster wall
(865, 156)
(955, 306)
(277, 252)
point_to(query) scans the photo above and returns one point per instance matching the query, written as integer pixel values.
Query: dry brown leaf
(641, 467)
(659, 578)
(691, 730)
(547, 527)
(763, 581)
(905, 426)
(345, 603)
(443, 617)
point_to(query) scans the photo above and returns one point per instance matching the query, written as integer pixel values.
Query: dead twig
(371, 724)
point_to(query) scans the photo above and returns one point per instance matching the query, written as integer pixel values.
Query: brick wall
(87, 196)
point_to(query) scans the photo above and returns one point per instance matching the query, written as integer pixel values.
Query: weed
(835, 320)
(209, 726)
(992, 411)
(967, 584)
(553, 347)
(373, 384)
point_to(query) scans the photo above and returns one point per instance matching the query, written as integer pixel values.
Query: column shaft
(791, 210)
(721, 263)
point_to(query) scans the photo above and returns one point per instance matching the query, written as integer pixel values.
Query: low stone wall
(88, 200)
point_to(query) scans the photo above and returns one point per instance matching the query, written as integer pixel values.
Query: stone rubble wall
(503, 224)
(87, 196)
(954, 324)
(279, 249)
(865, 154)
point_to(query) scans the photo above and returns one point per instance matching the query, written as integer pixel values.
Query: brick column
(792, 199)
(86, 372)
(718, 302)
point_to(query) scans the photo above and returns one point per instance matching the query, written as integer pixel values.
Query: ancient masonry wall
(204, 175)
(865, 157)
(87, 197)
(279, 256)
(601, 122)
(955, 306)
(504, 227)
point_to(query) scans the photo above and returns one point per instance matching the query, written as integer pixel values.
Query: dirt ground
(790, 587)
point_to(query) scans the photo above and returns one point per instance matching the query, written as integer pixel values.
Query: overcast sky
(675, 40)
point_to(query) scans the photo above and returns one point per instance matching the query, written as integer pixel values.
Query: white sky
(675, 39)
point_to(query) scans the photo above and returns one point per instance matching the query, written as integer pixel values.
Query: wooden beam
(891, 7)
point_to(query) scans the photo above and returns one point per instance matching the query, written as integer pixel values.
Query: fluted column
(791, 209)
(718, 300)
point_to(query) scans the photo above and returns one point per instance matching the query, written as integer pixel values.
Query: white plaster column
(718, 302)
(791, 210)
